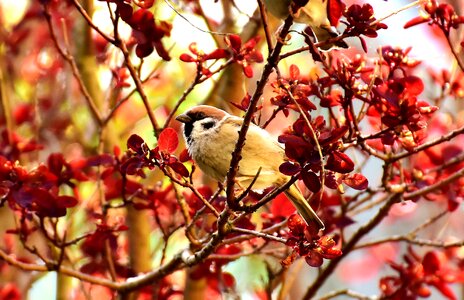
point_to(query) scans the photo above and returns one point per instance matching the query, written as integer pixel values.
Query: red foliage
(245, 54)
(416, 276)
(306, 243)
(442, 15)
(360, 20)
(37, 191)
(168, 140)
(201, 58)
(10, 292)
(147, 32)
(302, 150)
(65, 193)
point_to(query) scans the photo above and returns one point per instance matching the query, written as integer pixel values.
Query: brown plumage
(211, 135)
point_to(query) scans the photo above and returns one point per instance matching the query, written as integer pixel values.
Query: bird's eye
(208, 125)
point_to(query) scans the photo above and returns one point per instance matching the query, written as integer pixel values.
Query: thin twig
(75, 70)
(184, 96)
(273, 60)
(260, 234)
(444, 138)
(246, 237)
(349, 293)
(413, 241)
(90, 22)
(139, 86)
(406, 7)
(191, 24)
(435, 186)
(362, 231)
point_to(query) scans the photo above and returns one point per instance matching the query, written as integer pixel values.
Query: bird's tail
(303, 207)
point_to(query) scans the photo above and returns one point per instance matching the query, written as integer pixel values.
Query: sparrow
(211, 135)
(313, 14)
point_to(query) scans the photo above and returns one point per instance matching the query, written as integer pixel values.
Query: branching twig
(272, 62)
(75, 70)
(444, 138)
(362, 231)
(435, 186)
(90, 22)
(260, 234)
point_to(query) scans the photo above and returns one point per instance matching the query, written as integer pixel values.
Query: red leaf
(46, 205)
(311, 180)
(135, 143)
(248, 71)
(333, 135)
(445, 290)
(334, 99)
(228, 279)
(10, 292)
(67, 201)
(281, 206)
(217, 54)
(356, 181)
(142, 19)
(314, 259)
(414, 85)
(168, 140)
(116, 151)
(294, 72)
(326, 242)
(228, 250)
(23, 113)
(132, 166)
(125, 12)
(162, 52)
(143, 50)
(55, 163)
(416, 21)
(296, 224)
(331, 253)
(184, 156)
(289, 168)
(179, 168)
(331, 181)
(363, 43)
(335, 10)
(431, 263)
(339, 162)
(234, 41)
(186, 58)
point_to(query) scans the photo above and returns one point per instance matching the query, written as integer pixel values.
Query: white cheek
(200, 139)
(211, 151)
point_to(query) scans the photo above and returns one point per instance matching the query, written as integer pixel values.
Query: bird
(211, 135)
(313, 14)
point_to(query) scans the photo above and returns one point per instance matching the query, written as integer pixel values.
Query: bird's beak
(184, 118)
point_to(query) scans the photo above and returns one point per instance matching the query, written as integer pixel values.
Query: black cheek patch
(208, 125)
(188, 127)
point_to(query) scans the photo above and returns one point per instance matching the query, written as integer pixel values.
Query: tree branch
(272, 62)
(350, 245)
